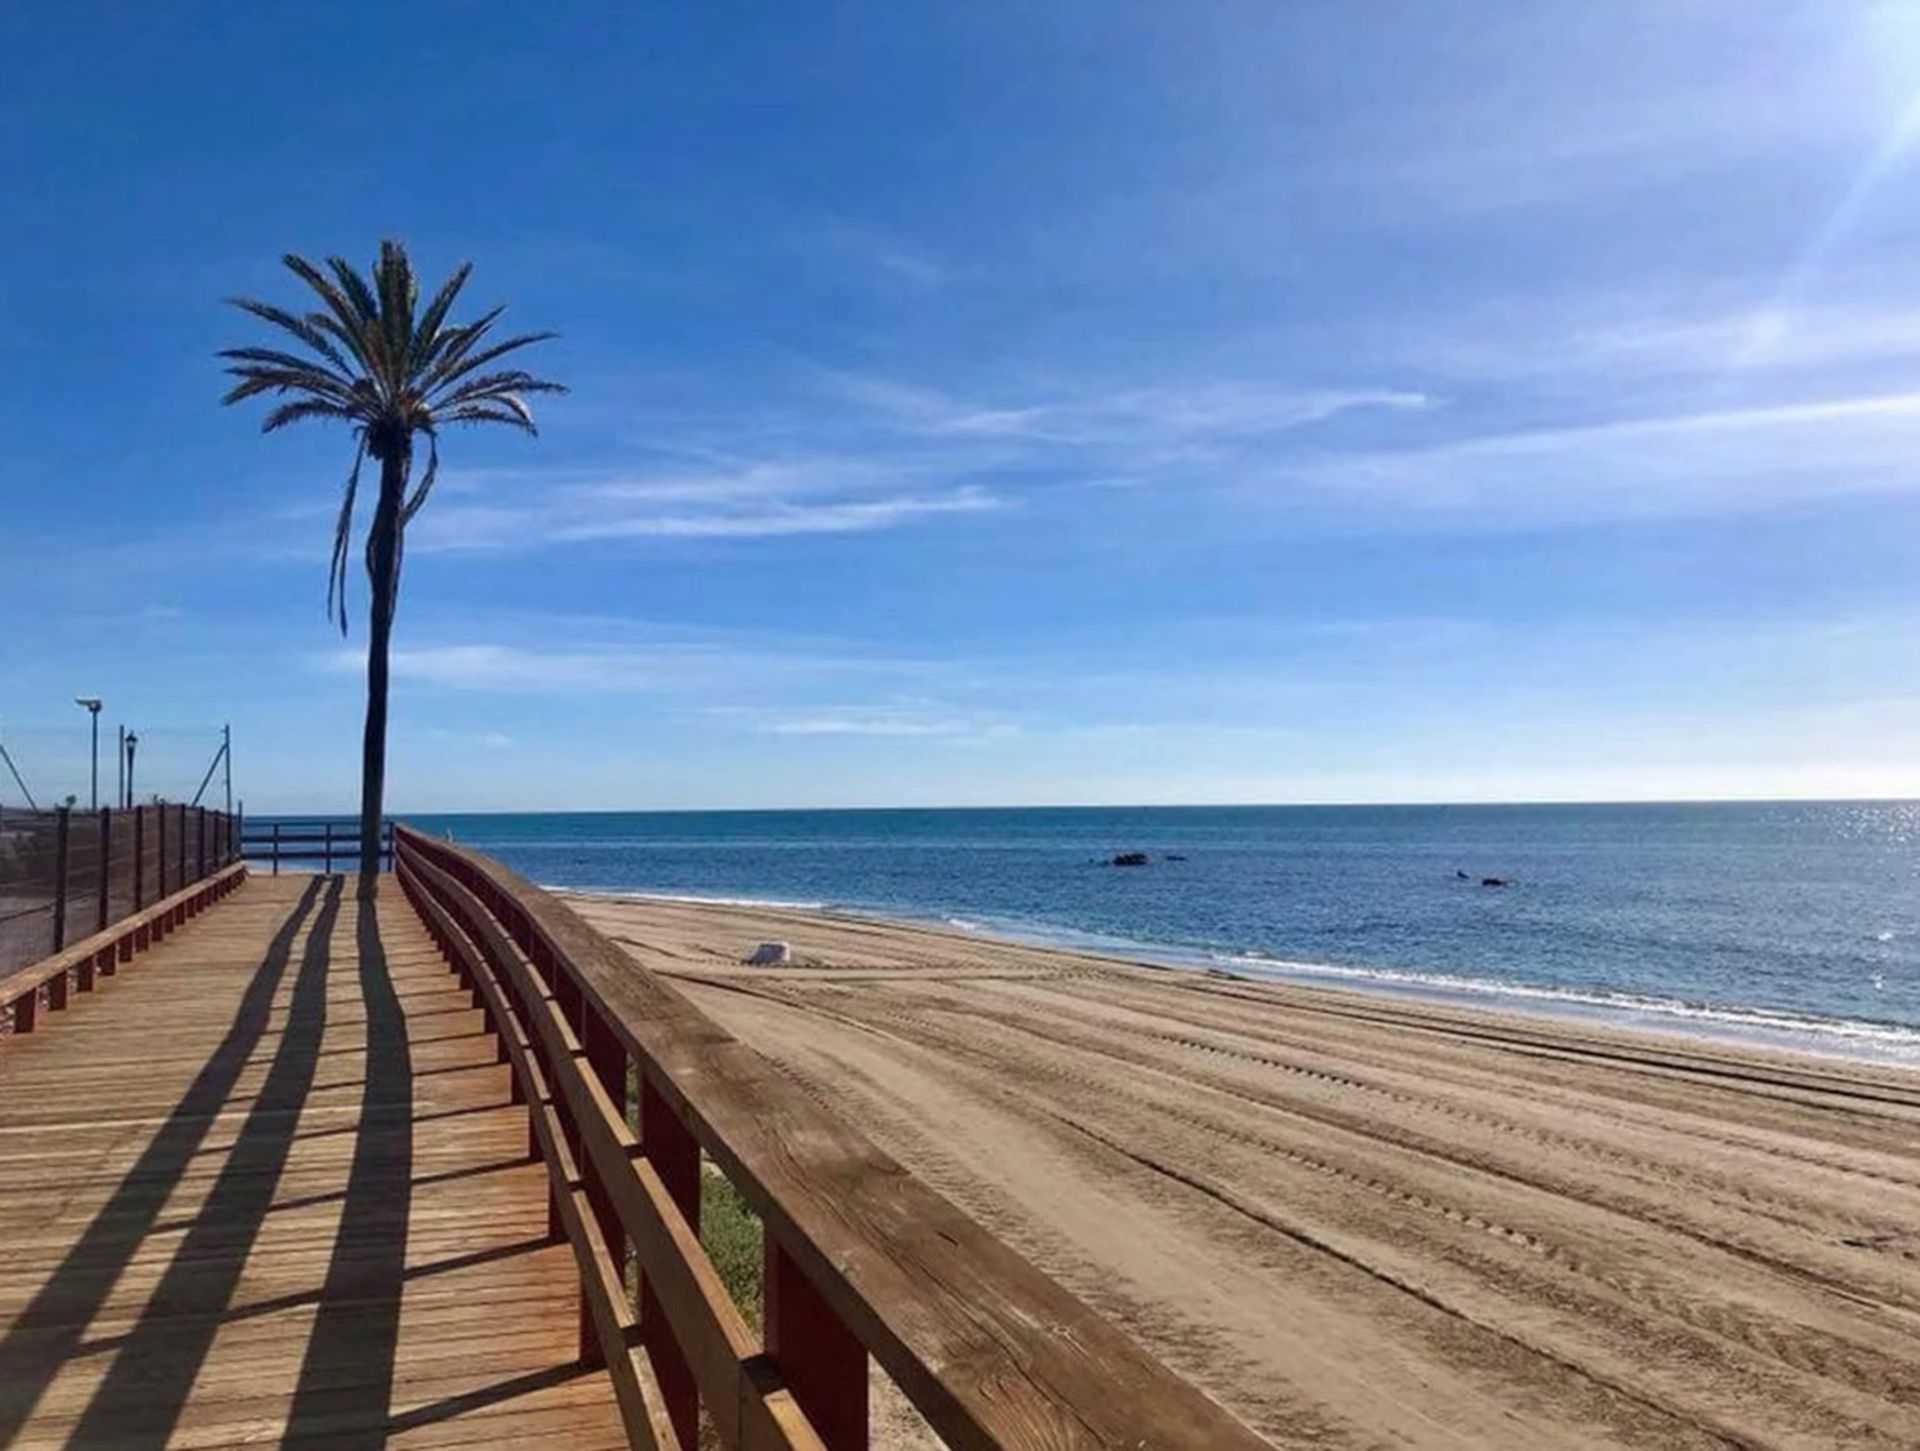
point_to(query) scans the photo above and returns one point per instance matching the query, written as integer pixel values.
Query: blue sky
(994, 403)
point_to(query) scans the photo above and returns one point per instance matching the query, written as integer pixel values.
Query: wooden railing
(861, 1258)
(325, 842)
(75, 968)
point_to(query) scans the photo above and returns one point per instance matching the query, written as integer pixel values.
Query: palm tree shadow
(139, 1400)
(346, 1377)
(50, 1329)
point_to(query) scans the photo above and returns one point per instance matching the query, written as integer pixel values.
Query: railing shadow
(46, 1333)
(139, 1400)
(346, 1377)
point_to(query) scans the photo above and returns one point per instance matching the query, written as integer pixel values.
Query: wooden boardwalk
(265, 1185)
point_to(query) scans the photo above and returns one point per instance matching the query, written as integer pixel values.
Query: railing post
(181, 850)
(200, 843)
(327, 865)
(568, 1000)
(106, 866)
(675, 1155)
(276, 848)
(160, 856)
(62, 818)
(822, 1362)
(606, 1061)
(139, 856)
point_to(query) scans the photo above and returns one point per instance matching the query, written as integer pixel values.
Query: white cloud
(1130, 417)
(1678, 464)
(751, 501)
(846, 516)
(882, 721)
(600, 657)
(1619, 339)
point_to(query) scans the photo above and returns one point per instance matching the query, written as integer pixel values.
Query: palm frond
(305, 408)
(393, 275)
(342, 538)
(497, 411)
(292, 362)
(426, 479)
(514, 380)
(459, 341)
(303, 328)
(349, 323)
(259, 377)
(348, 342)
(460, 367)
(365, 309)
(426, 333)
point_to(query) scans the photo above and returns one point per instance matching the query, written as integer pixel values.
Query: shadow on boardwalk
(232, 1170)
(345, 1378)
(48, 1332)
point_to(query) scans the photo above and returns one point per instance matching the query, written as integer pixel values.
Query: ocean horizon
(1792, 924)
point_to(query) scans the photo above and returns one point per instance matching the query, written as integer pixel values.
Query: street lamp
(91, 705)
(132, 741)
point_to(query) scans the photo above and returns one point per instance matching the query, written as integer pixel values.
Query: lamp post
(132, 741)
(91, 705)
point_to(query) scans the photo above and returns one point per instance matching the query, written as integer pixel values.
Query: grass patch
(734, 1241)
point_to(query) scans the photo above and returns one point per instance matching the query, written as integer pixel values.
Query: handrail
(862, 1258)
(309, 841)
(104, 951)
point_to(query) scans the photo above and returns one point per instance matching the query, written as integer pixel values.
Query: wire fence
(67, 874)
(43, 766)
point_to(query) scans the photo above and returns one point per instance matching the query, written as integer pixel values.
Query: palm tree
(389, 375)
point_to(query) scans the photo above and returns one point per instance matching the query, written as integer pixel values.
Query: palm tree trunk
(383, 573)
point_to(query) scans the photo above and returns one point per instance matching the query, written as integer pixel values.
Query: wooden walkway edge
(266, 1185)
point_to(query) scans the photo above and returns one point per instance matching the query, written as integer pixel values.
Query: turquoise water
(1796, 923)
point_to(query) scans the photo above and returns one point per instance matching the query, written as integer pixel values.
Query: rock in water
(1130, 859)
(770, 954)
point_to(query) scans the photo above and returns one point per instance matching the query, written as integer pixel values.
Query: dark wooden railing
(325, 842)
(627, 1084)
(75, 968)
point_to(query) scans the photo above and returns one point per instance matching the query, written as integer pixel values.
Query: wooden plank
(220, 1224)
(992, 1352)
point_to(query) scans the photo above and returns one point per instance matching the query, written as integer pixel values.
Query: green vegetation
(733, 1237)
(389, 375)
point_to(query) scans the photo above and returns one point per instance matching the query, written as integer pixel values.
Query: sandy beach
(1365, 1222)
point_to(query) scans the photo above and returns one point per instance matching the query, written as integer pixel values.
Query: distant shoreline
(1852, 1040)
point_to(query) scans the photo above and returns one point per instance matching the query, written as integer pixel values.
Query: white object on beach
(769, 954)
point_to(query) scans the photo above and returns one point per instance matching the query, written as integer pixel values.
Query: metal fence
(66, 874)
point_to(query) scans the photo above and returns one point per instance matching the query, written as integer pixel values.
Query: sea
(1791, 924)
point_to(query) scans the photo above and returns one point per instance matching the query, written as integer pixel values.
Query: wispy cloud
(1628, 340)
(755, 501)
(919, 721)
(891, 257)
(1646, 466)
(547, 654)
(1123, 417)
